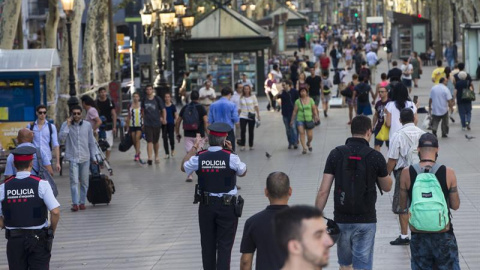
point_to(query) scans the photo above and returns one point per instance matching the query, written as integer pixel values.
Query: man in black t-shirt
(354, 209)
(106, 108)
(395, 73)
(190, 135)
(258, 233)
(314, 84)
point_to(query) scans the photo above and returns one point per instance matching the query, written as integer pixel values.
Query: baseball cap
(428, 140)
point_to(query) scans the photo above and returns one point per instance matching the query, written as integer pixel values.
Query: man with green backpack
(430, 190)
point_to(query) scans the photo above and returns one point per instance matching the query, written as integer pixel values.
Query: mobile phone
(415, 99)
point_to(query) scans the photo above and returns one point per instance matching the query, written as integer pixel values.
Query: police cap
(24, 153)
(219, 129)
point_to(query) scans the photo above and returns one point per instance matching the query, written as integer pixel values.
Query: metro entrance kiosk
(22, 88)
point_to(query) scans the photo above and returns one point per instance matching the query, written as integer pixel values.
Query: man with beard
(302, 236)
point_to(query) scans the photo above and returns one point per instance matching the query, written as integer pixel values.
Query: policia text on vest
(25, 202)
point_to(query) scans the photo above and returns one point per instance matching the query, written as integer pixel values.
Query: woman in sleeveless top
(381, 84)
(135, 122)
(417, 67)
(302, 81)
(305, 113)
(348, 55)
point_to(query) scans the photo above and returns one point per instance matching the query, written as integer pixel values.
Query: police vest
(22, 205)
(214, 172)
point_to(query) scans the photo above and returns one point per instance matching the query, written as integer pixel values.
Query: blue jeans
(292, 134)
(451, 62)
(465, 112)
(79, 171)
(355, 244)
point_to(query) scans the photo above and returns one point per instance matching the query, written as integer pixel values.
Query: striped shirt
(247, 105)
(400, 144)
(135, 117)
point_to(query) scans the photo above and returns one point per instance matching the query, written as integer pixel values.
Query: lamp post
(68, 9)
(162, 20)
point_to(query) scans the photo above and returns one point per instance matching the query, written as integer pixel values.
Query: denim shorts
(355, 244)
(429, 249)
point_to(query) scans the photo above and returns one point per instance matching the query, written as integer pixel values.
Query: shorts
(134, 129)
(396, 194)
(351, 101)
(152, 134)
(356, 244)
(109, 135)
(378, 142)
(326, 98)
(364, 109)
(407, 83)
(429, 249)
(316, 99)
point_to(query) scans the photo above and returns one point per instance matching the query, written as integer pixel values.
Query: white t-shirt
(440, 96)
(406, 68)
(205, 93)
(395, 123)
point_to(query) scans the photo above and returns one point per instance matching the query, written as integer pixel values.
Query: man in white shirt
(317, 50)
(372, 64)
(440, 100)
(403, 153)
(236, 99)
(407, 70)
(207, 95)
(246, 81)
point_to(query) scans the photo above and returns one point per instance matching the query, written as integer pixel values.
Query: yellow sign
(9, 131)
(120, 39)
(4, 113)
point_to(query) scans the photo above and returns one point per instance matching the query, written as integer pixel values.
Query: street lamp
(171, 21)
(68, 6)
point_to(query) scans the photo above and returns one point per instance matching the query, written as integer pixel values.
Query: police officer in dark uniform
(25, 202)
(217, 169)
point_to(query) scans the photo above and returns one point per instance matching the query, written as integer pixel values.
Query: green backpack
(428, 209)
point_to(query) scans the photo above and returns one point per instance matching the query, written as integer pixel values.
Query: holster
(197, 197)
(239, 206)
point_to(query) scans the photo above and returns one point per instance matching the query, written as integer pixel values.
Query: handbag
(251, 116)
(383, 133)
(308, 124)
(467, 94)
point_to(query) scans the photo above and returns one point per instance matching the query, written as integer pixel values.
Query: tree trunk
(9, 22)
(101, 54)
(88, 49)
(51, 28)
(62, 108)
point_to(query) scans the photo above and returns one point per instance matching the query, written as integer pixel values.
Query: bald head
(278, 185)
(25, 135)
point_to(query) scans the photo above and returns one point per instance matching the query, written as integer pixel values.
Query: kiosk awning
(35, 60)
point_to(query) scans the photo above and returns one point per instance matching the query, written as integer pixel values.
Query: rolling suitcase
(100, 187)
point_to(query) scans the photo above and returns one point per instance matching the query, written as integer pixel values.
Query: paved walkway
(152, 223)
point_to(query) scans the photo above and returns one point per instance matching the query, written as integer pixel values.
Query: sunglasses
(382, 91)
(42, 112)
(77, 113)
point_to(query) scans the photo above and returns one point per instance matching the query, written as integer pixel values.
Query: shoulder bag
(468, 95)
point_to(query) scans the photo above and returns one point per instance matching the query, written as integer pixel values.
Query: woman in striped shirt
(135, 122)
(249, 114)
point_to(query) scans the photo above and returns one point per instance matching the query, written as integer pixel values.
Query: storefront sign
(9, 131)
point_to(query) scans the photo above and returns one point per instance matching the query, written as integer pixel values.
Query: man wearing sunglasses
(80, 149)
(45, 136)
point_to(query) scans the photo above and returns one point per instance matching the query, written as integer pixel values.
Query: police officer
(25, 200)
(217, 169)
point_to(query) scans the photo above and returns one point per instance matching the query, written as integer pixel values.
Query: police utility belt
(38, 233)
(204, 198)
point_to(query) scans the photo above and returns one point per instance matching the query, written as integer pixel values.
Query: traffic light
(356, 15)
(419, 15)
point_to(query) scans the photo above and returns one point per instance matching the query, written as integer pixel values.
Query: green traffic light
(356, 15)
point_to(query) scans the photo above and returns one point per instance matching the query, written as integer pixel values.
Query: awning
(35, 60)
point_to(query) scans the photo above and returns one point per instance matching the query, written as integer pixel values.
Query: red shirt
(324, 62)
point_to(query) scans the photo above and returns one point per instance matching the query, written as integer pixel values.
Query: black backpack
(191, 117)
(362, 92)
(336, 78)
(355, 192)
(49, 129)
